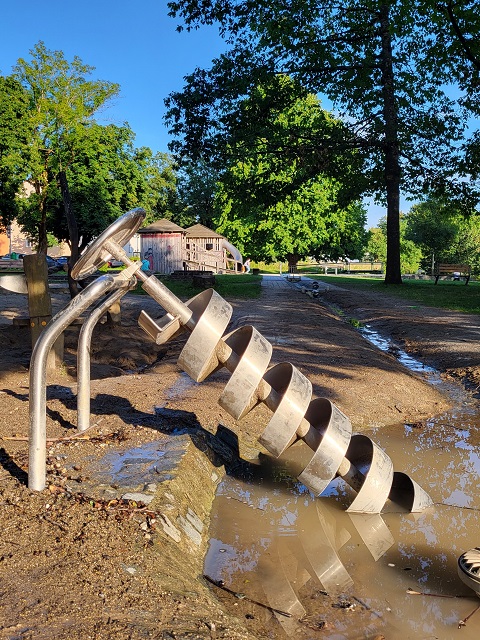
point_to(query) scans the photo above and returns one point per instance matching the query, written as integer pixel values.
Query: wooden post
(40, 304)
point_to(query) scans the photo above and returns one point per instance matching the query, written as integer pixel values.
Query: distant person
(148, 255)
(246, 264)
(145, 265)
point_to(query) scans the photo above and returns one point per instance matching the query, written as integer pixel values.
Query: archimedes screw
(282, 387)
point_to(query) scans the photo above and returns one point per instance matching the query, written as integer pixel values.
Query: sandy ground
(76, 564)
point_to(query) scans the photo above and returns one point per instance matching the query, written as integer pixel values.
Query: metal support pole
(38, 367)
(83, 355)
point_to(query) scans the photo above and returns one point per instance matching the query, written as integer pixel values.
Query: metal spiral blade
(296, 414)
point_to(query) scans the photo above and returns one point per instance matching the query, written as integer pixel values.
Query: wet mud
(347, 576)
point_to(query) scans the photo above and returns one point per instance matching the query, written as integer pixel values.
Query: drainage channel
(387, 345)
(346, 576)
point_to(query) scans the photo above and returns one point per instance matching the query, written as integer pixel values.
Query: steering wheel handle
(95, 255)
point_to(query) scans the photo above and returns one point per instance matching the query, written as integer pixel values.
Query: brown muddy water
(348, 576)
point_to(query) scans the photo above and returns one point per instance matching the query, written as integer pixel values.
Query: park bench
(332, 266)
(460, 270)
(6, 265)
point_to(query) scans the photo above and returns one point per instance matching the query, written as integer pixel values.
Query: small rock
(138, 497)
(169, 528)
(195, 520)
(190, 530)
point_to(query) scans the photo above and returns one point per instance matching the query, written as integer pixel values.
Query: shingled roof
(199, 231)
(162, 226)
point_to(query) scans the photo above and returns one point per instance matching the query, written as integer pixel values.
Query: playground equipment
(246, 354)
(38, 365)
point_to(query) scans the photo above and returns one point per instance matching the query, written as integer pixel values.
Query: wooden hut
(208, 250)
(163, 244)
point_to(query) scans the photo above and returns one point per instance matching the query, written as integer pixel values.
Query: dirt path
(75, 565)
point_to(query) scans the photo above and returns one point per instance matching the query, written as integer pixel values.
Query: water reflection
(350, 573)
(274, 540)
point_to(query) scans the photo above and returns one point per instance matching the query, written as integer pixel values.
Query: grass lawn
(228, 286)
(447, 294)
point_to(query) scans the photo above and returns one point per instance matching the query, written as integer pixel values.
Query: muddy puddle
(351, 576)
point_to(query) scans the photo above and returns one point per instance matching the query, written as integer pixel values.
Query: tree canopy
(411, 256)
(14, 138)
(196, 188)
(279, 196)
(107, 176)
(384, 64)
(306, 223)
(444, 234)
(61, 102)
(74, 176)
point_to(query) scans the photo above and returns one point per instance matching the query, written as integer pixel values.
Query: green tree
(159, 196)
(14, 137)
(463, 40)
(305, 223)
(410, 253)
(196, 188)
(61, 102)
(278, 197)
(431, 226)
(107, 176)
(466, 247)
(456, 28)
(383, 63)
(444, 234)
(376, 247)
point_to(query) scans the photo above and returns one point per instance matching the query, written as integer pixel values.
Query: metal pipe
(83, 353)
(167, 299)
(227, 357)
(38, 368)
(153, 286)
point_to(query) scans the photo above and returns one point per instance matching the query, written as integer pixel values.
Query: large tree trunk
(391, 152)
(292, 259)
(72, 231)
(42, 225)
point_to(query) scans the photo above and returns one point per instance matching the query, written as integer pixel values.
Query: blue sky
(133, 44)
